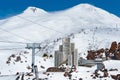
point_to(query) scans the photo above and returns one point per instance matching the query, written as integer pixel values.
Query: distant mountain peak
(34, 10)
(85, 5)
(88, 8)
(90, 14)
(41, 26)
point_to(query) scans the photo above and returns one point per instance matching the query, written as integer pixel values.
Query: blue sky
(12, 7)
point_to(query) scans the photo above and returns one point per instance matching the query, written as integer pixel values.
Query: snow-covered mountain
(37, 25)
(88, 27)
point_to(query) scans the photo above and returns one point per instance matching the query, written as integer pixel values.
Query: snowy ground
(9, 77)
(8, 71)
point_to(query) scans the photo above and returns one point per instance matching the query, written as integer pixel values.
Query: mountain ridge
(44, 27)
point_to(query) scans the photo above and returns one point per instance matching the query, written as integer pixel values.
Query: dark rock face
(113, 47)
(54, 69)
(112, 53)
(116, 77)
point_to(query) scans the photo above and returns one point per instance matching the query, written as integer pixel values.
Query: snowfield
(88, 27)
(8, 71)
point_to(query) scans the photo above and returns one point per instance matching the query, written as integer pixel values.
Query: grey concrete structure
(69, 61)
(66, 47)
(66, 53)
(61, 48)
(89, 63)
(75, 60)
(72, 47)
(56, 59)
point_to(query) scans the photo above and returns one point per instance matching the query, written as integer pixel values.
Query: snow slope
(88, 27)
(42, 26)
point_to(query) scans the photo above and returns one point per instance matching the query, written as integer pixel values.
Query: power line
(11, 48)
(23, 37)
(15, 34)
(41, 25)
(51, 28)
(13, 42)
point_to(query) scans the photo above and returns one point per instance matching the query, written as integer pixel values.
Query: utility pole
(36, 72)
(33, 46)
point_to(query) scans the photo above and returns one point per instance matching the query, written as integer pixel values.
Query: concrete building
(61, 48)
(75, 60)
(69, 60)
(56, 59)
(66, 54)
(66, 47)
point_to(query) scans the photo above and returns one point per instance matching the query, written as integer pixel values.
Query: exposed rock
(113, 47)
(116, 77)
(54, 69)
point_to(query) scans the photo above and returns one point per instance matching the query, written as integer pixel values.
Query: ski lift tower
(33, 46)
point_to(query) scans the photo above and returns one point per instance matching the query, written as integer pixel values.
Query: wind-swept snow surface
(83, 20)
(88, 27)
